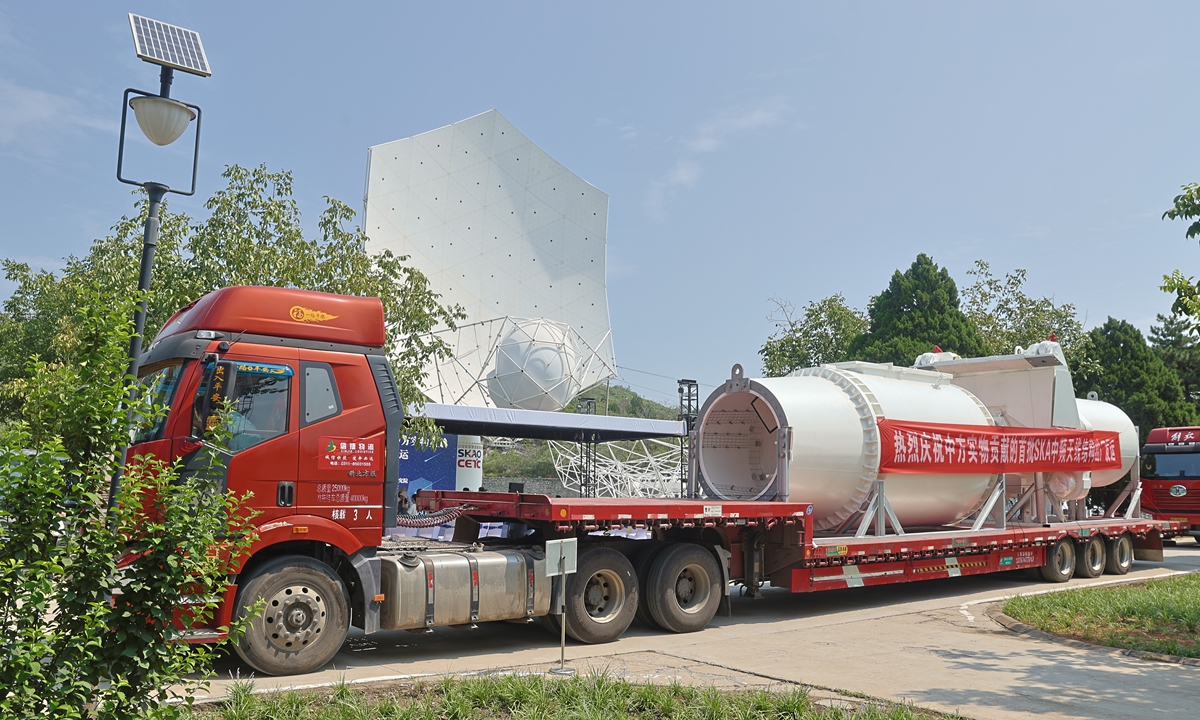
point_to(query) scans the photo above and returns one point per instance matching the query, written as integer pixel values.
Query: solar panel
(170, 45)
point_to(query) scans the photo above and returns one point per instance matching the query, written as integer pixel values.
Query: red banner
(914, 447)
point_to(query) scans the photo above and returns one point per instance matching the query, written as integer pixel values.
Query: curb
(1020, 628)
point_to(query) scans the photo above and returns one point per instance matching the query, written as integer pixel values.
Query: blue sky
(791, 150)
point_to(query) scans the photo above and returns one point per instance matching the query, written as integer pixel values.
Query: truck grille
(1161, 499)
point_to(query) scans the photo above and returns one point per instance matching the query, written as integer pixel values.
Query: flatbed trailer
(319, 450)
(772, 542)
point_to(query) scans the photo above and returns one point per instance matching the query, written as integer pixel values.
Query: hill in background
(531, 458)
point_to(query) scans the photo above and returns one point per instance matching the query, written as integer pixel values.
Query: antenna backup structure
(505, 231)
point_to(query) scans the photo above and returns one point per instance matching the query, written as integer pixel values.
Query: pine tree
(1173, 341)
(918, 310)
(1133, 377)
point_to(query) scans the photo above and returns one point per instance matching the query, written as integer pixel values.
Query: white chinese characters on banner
(925, 447)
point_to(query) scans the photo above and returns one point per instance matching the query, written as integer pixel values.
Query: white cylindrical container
(1098, 415)
(833, 413)
(468, 473)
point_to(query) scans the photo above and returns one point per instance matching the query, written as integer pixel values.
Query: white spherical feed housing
(536, 366)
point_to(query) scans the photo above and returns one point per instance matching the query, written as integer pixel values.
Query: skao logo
(1178, 491)
(470, 458)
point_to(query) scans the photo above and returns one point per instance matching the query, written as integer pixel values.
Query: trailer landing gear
(304, 619)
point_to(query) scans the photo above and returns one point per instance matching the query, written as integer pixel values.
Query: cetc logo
(1178, 491)
(303, 314)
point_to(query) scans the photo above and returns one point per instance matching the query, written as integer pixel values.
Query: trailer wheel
(645, 561)
(1120, 555)
(1090, 557)
(602, 596)
(1060, 561)
(684, 588)
(304, 620)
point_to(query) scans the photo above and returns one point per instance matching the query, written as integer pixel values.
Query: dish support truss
(637, 468)
(463, 378)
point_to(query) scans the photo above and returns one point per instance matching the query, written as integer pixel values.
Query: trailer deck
(792, 555)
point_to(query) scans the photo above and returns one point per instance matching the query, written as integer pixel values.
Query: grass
(536, 697)
(1158, 616)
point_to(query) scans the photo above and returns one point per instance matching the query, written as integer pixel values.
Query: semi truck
(913, 476)
(1170, 474)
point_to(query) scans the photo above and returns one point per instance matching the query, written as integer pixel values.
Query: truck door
(341, 452)
(263, 442)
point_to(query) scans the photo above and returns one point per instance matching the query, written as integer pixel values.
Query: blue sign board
(433, 469)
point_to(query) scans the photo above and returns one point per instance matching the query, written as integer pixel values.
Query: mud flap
(367, 566)
(1149, 548)
(725, 609)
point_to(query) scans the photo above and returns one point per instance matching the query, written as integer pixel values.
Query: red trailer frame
(792, 556)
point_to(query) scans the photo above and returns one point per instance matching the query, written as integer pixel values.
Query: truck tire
(1120, 555)
(602, 596)
(684, 588)
(643, 563)
(1090, 557)
(1060, 561)
(304, 619)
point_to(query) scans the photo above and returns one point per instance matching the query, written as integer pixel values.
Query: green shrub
(90, 595)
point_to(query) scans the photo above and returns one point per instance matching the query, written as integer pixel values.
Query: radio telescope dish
(504, 230)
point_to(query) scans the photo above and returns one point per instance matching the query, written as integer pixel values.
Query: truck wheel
(1060, 561)
(1120, 555)
(304, 619)
(684, 588)
(1090, 558)
(602, 596)
(549, 623)
(645, 561)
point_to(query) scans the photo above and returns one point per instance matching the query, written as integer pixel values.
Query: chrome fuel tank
(440, 587)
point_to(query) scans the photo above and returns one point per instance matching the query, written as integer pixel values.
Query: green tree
(822, 334)
(89, 603)
(1174, 342)
(252, 236)
(1133, 377)
(918, 310)
(1185, 289)
(1007, 317)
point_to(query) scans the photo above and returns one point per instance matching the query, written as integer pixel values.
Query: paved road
(927, 643)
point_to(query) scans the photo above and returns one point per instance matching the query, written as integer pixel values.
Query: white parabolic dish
(502, 229)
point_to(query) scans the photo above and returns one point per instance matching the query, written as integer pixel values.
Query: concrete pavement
(927, 643)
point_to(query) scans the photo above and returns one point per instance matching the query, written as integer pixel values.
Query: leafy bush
(91, 597)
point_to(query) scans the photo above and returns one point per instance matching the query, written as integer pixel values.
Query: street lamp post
(162, 120)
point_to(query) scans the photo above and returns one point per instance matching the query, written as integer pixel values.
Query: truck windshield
(160, 385)
(1171, 465)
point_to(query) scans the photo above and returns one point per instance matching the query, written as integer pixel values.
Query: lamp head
(162, 120)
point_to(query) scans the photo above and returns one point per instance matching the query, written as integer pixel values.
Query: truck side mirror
(218, 383)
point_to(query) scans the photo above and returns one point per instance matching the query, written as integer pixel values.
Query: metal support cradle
(880, 511)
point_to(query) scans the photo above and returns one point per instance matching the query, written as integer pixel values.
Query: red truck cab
(1171, 475)
(315, 424)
